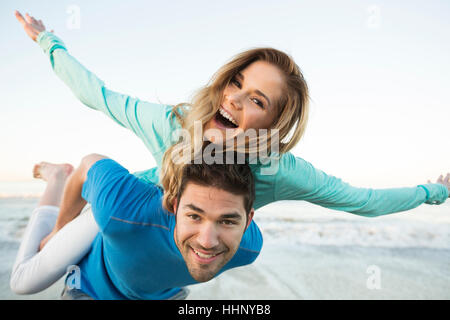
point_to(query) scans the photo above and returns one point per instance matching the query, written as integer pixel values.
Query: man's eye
(194, 217)
(228, 222)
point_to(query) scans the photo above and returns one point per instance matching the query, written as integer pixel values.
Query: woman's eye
(259, 103)
(238, 84)
(235, 82)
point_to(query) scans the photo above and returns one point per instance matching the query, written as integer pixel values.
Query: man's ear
(175, 205)
(250, 217)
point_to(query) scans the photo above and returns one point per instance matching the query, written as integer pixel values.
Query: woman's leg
(56, 176)
(34, 271)
(70, 200)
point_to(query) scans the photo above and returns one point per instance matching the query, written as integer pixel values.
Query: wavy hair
(292, 110)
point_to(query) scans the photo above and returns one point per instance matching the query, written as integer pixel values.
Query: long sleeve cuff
(49, 42)
(436, 193)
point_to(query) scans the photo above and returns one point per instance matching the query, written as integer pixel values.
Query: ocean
(285, 224)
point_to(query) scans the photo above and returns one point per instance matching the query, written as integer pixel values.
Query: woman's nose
(235, 101)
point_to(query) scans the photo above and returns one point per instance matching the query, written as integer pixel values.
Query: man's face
(209, 228)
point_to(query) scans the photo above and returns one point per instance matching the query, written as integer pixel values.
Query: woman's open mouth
(225, 120)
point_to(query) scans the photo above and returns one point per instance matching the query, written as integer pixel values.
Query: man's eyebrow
(240, 75)
(233, 215)
(193, 207)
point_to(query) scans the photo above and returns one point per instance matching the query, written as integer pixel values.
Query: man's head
(213, 207)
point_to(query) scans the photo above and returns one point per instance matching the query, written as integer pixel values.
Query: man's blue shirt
(134, 256)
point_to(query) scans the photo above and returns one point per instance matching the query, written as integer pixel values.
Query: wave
(351, 233)
(21, 189)
(19, 195)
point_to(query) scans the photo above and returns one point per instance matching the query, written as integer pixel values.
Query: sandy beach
(324, 272)
(308, 253)
(321, 272)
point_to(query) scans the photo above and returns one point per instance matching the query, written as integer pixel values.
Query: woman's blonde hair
(291, 110)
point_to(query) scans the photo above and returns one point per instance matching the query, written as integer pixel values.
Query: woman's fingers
(20, 18)
(28, 18)
(35, 22)
(31, 26)
(32, 21)
(443, 180)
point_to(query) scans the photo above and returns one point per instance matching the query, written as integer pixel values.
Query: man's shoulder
(251, 243)
(146, 212)
(117, 195)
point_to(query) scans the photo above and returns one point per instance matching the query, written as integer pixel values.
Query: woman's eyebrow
(240, 75)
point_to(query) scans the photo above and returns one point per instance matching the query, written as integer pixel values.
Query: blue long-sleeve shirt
(294, 179)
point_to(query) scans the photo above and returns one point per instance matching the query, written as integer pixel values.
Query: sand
(330, 272)
(321, 272)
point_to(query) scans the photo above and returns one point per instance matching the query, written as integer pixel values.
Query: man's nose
(208, 236)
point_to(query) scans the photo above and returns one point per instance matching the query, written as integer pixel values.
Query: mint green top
(295, 179)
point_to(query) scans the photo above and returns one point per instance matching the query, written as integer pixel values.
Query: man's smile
(205, 258)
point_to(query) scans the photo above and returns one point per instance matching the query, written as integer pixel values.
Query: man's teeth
(227, 116)
(204, 256)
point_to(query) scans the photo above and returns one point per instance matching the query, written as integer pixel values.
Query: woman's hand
(47, 239)
(31, 26)
(445, 181)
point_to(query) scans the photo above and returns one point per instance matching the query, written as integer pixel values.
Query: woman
(258, 89)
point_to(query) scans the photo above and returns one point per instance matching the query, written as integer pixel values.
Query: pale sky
(378, 72)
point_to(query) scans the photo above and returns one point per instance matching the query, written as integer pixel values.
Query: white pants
(34, 270)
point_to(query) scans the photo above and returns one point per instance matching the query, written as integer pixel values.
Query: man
(143, 251)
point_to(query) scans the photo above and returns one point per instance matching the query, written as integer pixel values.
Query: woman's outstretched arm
(297, 179)
(149, 121)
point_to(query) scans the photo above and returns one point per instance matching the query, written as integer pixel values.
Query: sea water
(293, 222)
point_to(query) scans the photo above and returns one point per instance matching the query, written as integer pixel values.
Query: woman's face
(249, 101)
